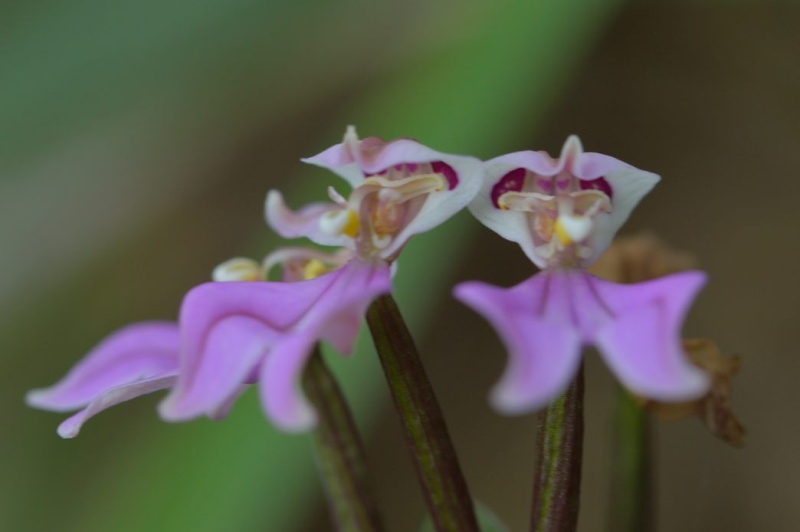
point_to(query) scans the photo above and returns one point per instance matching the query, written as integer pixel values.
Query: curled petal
(642, 344)
(281, 394)
(335, 317)
(337, 314)
(545, 320)
(72, 426)
(441, 205)
(229, 329)
(233, 348)
(341, 159)
(302, 223)
(135, 353)
(533, 320)
(356, 158)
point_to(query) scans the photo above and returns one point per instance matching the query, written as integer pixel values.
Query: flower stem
(446, 494)
(631, 503)
(559, 453)
(340, 452)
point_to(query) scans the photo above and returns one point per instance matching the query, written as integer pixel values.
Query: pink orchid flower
(233, 330)
(563, 213)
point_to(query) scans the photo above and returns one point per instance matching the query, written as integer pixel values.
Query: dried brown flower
(644, 257)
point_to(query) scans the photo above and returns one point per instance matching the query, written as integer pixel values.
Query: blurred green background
(137, 143)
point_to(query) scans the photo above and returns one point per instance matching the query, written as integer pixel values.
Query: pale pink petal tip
(72, 426)
(543, 351)
(304, 222)
(136, 360)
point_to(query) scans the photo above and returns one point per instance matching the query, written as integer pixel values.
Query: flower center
(562, 212)
(382, 205)
(314, 268)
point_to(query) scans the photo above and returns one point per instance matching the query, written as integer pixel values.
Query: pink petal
(628, 186)
(337, 314)
(281, 392)
(72, 426)
(230, 328)
(353, 159)
(439, 206)
(535, 323)
(302, 223)
(544, 321)
(233, 348)
(133, 354)
(642, 344)
(336, 318)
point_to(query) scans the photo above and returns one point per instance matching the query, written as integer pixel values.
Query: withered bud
(714, 409)
(632, 259)
(640, 258)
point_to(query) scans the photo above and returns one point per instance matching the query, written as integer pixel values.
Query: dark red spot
(447, 171)
(598, 184)
(511, 182)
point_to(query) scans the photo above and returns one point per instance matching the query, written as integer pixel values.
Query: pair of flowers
(242, 328)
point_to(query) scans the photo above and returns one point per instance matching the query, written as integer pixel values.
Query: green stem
(340, 452)
(631, 501)
(443, 484)
(559, 453)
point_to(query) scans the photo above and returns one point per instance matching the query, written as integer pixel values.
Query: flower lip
(546, 319)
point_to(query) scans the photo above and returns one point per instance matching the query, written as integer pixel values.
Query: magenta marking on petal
(546, 184)
(562, 184)
(412, 167)
(511, 182)
(447, 171)
(597, 184)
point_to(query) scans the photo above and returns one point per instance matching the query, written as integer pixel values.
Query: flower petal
(234, 347)
(112, 397)
(341, 159)
(642, 344)
(229, 328)
(281, 392)
(627, 185)
(533, 319)
(441, 205)
(135, 353)
(302, 223)
(354, 159)
(336, 316)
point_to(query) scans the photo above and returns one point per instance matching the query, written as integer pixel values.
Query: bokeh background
(137, 142)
